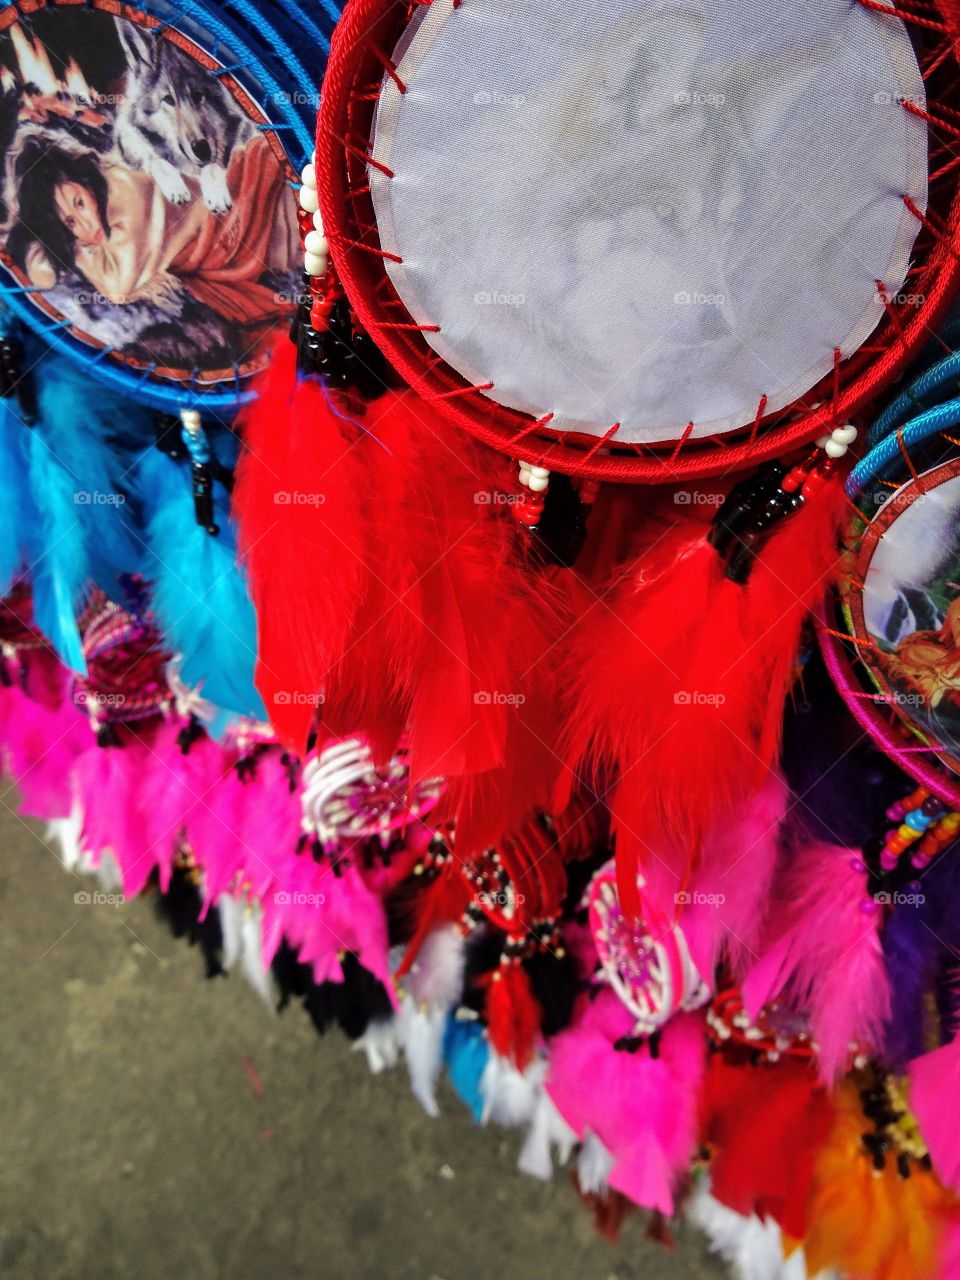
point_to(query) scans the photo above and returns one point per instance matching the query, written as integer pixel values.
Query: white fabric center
(644, 213)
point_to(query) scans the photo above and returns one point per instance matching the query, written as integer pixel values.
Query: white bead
(821, 441)
(309, 200)
(309, 177)
(844, 435)
(834, 449)
(541, 472)
(314, 264)
(190, 419)
(314, 242)
(318, 221)
(538, 484)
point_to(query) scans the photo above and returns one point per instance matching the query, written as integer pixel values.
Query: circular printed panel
(904, 606)
(147, 215)
(648, 214)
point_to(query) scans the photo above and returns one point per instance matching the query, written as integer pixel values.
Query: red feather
(513, 1014)
(765, 1125)
(677, 678)
(468, 627)
(303, 528)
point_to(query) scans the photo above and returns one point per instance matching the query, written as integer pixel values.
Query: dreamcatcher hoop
(893, 691)
(362, 61)
(236, 46)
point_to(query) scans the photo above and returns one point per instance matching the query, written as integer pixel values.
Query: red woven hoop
(366, 34)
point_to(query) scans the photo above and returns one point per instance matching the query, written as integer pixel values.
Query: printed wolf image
(911, 613)
(139, 199)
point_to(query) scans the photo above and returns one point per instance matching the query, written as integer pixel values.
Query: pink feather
(935, 1100)
(822, 952)
(642, 1108)
(107, 779)
(730, 890)
(171, 784)
(41, 743)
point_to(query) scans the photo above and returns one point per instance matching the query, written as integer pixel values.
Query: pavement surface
(157, 1125)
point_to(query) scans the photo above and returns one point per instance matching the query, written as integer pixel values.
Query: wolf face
(176, 119)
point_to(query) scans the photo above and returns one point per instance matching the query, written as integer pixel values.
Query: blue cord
(943, 417)
(909, 401)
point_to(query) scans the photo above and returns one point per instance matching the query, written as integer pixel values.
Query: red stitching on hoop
(395, 324)
(890, 309)
(937, 234)
(608, 435)
(906, 15)
(925, 115)
(761, 407)
(388, 66)
(540, 422)
(687, 432)
(459, 391)
(369, 248)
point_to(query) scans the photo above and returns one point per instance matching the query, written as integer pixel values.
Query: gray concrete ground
(135, 1143)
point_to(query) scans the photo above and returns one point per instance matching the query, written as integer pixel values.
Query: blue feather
(199, 593)
(465, 1051)
(75, 456)
(19, 519)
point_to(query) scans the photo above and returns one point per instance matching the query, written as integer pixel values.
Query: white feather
(66, 835)
(510, 1096)
(548, 1129)
(240, 925)
(436, 976)
(380, 1042)
(594, 1164)
(753, 1248)
(420, 1031)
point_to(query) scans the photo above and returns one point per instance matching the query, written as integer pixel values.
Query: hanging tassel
(822, 953)
(513, 1015)
(303, 530)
